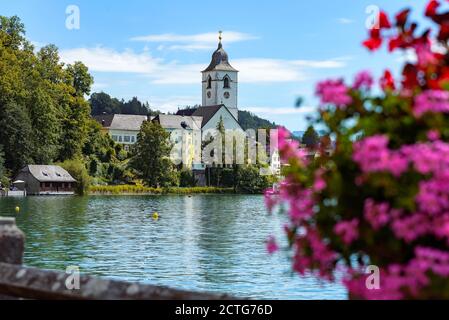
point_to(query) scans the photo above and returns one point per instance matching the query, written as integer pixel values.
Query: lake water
(212, 243)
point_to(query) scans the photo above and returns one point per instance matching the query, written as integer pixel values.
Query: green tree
(79, 78)
(311, 138)
(249, 180)
(187, 179)
(248, 120)
(16, 136)
(151, 155)
(78, 171)
(102, 103)
(13, 31)
(43, 114)
(2, 161)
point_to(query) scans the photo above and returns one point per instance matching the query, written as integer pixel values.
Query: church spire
(220, 59)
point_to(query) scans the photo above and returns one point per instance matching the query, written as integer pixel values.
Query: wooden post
(12, 242)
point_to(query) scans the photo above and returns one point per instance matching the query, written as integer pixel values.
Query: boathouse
(46, 180)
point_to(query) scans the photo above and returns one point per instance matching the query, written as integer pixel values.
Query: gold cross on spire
(220, 35)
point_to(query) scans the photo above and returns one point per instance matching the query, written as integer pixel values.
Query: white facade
(221, 87)
(275, 163)
(125, 137)
(122, 128)
(220, 82)
(229, 122)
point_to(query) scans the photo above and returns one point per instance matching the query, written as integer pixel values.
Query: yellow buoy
(155, 216)
(17, 209)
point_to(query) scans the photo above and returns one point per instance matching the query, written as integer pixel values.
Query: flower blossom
(289, 148)
(272, 246)
(387, 81)
(347, 230)
(373, 155)
(363, 80)
(319, 183)
(402, 281)
(333, 92)
(425, 55)
(377, 214)
(431, 101)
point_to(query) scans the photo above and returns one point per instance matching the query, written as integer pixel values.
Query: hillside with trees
(103, 103)
(249, 120)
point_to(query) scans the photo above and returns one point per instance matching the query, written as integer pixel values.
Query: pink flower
(363, 80)
(377, 214)
(271, 199)
(289, 148)
(431, 101)
(272, 246)
(433, 135)
(319, 183)
(410, 227)
(320, 256)
(433, 195)
(347, 230)
(424, 54)
(372, 155)
(333, 92)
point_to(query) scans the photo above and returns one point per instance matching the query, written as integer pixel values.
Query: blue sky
(155, 50)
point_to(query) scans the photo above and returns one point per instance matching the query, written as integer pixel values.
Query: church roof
(206, 112)
(170, 121)
(220, 61)
(127, 122)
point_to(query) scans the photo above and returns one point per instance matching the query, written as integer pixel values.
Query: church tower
(220, 81)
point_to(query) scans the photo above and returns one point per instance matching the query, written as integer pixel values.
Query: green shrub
(78, 171)
(139, 189)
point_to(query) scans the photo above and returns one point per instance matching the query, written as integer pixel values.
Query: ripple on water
(204, 242)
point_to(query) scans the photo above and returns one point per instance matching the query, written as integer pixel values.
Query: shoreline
(130, 190)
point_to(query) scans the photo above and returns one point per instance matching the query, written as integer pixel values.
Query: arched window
(226, 82)
(209, 82)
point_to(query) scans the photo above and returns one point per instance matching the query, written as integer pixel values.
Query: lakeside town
(133, 148)
(300, 154)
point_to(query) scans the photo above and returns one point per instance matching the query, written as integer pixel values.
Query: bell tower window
(209, 82)
(226, 82)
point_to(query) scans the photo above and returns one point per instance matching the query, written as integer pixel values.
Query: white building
(185, 134)
(123, 128)
(220, 82)
(219, 92)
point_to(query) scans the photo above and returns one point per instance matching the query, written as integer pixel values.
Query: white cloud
(108, 60)
(193, 42)
(281, 111)
(172, 104)
(191, 47)
(99, 86)
(345, 21)
(252, 70)
(204, 38)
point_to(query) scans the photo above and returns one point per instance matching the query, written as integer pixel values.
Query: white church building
(219, 93)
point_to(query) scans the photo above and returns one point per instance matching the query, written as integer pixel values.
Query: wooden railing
(20, 282)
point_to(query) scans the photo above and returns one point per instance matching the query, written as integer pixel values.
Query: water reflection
(203, 242)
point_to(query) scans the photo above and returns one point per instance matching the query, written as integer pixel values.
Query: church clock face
(226, 95)
(209, 94)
